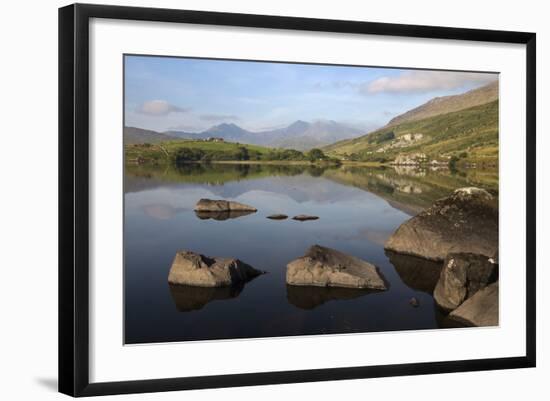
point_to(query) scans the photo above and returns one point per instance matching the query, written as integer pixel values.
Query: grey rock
(220, 205)
(414, 302)
(325, 267)
(190, 268)
(304, 217)
(463, 275)
(466, 221)
(479, 310)
(277, 216)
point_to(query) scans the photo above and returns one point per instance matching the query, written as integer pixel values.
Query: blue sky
(165, 93)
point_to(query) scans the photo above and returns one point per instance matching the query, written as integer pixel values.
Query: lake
(358, 209)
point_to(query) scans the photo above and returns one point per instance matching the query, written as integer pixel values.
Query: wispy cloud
(159, 108)
(218, 117)
(425, 81)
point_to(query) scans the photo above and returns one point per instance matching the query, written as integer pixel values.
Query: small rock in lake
(190, 268)
(304, 217)
(277, 216)
(220, 205)
(414, 302)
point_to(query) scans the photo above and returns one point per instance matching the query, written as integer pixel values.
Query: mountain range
(300, 135)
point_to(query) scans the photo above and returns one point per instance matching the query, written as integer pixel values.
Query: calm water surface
(358, 208)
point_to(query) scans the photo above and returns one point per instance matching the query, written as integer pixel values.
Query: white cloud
(159, 108)
(425, 81)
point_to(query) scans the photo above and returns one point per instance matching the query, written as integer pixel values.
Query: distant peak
(299, 123)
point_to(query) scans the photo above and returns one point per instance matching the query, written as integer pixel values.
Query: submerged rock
(479, 310)
(213, 205)
(466, 221)
(277, 216)
(190, 268)
(220, 216)
(463, 275)
(414, 302)
(304, 217)
(325, 267)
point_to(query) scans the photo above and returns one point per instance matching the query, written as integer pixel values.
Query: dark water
(358, 208)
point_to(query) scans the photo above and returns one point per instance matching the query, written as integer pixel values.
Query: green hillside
(447, 104)
(469, 135)
(186, 150)
(167, 151)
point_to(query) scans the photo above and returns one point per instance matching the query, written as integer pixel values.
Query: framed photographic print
(251, 199)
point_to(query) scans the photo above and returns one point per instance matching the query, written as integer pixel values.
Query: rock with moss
(466, 221)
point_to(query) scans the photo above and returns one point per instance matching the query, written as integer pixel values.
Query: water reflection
(309, 297)
(417, 273)
(189, 298)
(359, 207)
(409, 189)
(220, 216)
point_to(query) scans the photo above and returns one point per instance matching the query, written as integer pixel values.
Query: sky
(169, 93)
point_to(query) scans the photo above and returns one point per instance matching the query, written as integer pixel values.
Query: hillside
(133, 135)
(470, 134)
(166, 151)
(448, 104)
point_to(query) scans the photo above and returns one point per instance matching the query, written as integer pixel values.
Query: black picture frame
(74, 192)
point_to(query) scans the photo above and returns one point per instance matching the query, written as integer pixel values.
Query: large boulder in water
(466, 221)
(190, 268)
(220, 205)
(463, 275)
(479, 310)
(325, 267)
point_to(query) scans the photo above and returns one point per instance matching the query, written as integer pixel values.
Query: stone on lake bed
(305, 217)
(194, 269)
(414, 302)
(326, 267)
(277, 216)
(466, 221)
(220, 205)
